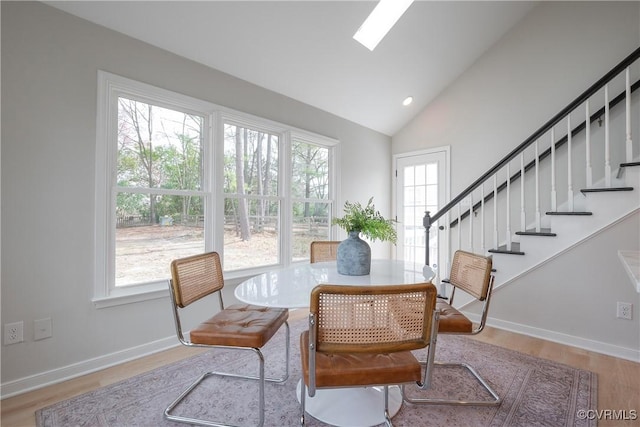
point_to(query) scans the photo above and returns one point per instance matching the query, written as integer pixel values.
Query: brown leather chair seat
(240, 325)
(352, 369)
(452, 321)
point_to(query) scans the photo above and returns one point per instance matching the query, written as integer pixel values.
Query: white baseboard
(55, 376)
(44, 379)
(561, 338)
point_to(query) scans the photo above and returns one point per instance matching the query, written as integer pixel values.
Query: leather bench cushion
(354, 369)
(451, 320)
(240, 325)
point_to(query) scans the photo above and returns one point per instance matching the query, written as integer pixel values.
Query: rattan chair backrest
(471, 273)
(195, 277)
(372, 319)
(324, 250)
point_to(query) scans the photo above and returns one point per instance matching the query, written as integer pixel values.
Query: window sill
(133, 295)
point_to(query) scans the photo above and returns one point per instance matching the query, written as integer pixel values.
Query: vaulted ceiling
(305, 49)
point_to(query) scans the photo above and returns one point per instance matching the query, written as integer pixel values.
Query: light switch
(42, 329)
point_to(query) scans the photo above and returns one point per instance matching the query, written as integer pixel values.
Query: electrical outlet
(624, 310)
(13, 333)
(42, 329)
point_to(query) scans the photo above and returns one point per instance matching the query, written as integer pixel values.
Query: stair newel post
(483, 246)
(426, 223)
(495, 211)
(537, 178)
(523, 215)
(588, 144)
(569, 163)
(471, 222)
(554, 194)
(607, 154)
(629, 148)
(508, 217)
(459, 225)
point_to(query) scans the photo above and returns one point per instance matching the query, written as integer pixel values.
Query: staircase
(599, 207)
(562, 185)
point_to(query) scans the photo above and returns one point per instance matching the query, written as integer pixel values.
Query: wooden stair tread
(605, 189)
(515, 249)
(570, 213)
(630, 164)
(546, 232)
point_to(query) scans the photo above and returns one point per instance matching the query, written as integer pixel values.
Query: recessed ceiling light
(408, 100)
(379, 22)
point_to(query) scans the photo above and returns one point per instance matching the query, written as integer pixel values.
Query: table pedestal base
(352, 407)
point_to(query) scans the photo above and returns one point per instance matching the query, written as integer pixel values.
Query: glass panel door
(420, 186)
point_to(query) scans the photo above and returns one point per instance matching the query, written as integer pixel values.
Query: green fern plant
(367, 221)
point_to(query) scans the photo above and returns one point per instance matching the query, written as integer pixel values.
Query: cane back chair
(362, 336)
(239, 326)
(471, 273)
(323, 250)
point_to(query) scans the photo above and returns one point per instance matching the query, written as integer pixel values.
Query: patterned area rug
(535, 392)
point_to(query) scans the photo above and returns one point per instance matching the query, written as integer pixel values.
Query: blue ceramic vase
(354, 256)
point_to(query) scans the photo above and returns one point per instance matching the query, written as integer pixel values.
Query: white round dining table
(290, 287)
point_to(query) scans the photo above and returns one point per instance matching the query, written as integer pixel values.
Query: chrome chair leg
(496, 400)
(261, 378)
(387, 417)
(303, 394)
(189, 420)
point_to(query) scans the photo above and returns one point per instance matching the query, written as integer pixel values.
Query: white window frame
(334, 176)
(110, 87)
(286, 135)
(267, 126)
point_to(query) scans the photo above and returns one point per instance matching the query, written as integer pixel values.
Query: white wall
(49, 72)
(572, 298)
(555, 53)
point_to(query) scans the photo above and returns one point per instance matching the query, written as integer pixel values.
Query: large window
(178, 176)
(312, 205)
(252, 202)
(275, 204)
(160, 212)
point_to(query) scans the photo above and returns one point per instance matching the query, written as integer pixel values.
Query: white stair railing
(600, 147)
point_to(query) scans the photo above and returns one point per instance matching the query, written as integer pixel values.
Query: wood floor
(618, 380)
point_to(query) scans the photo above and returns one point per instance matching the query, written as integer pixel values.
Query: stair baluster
(523, 214)
(629, 145)
(569, 163)
(554, 194)
(508, 214)
(537, 195)
(495, 211)
(607, 150)
(589, 170)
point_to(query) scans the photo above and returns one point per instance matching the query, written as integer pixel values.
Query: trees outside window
(159, 206)
(310, 193)
(176, 176)
(252, 202)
